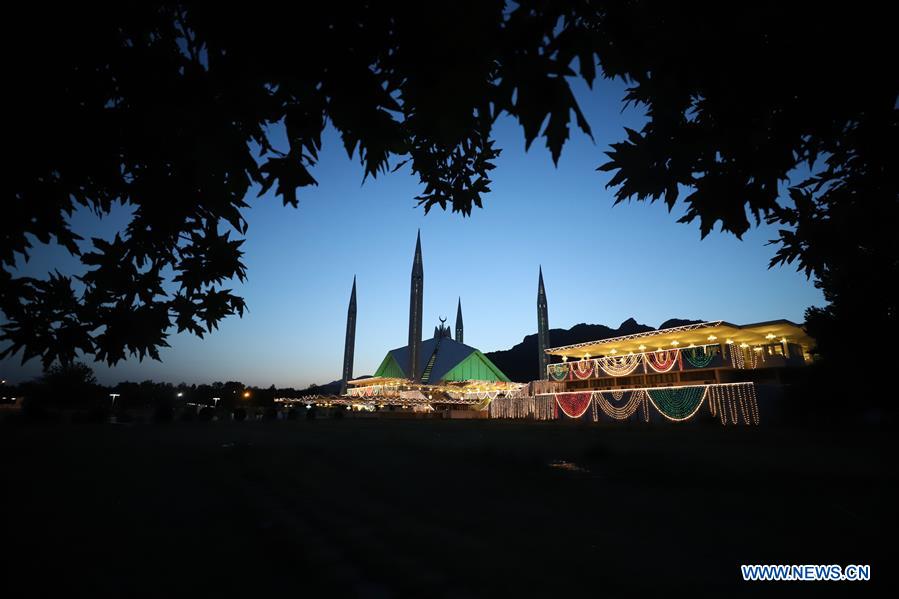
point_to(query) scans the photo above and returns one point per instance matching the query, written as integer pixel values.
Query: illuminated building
(672, 372)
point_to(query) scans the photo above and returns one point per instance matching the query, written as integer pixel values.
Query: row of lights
(676, 343)
(114, 396)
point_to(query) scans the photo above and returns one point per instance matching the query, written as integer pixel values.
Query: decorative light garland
(662, 361)
(541, 407)
(698, 359)
(582, 369)
(637, 399)
(677, 403)
(736, 356)
(619, 365)
(371, 390)
(574, 405)
(725, 399)
(558, 372)
(756, 357)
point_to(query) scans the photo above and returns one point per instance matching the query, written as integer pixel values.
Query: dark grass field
(437, 509)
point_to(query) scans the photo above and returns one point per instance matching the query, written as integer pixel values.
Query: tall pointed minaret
(350, 345)
(415, 310)
(459, 335)
(542, 327)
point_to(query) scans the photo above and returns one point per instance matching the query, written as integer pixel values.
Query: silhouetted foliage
(65, 386)
(69, 377)
(164, 108)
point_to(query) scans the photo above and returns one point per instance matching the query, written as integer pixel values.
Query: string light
(728, 401)
(583, 369)
(619, 366)
(558, 372)
(698, 359)
(574, 405)
(622, 412)
(677, 403)
(663, 360)
(736, 357)
(724, 400)
(540, 407)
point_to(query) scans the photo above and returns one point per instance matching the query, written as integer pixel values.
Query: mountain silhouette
(520, 362)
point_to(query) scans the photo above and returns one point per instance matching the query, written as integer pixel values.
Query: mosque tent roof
(454, 361)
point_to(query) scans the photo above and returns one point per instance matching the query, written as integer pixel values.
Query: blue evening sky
(601, 263)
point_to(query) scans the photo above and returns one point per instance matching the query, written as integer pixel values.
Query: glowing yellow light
(642, 347)
(712, 338)
(744, 345)
(770, 336)
(614, 351)
(246, 393)
(729, 341)
(675, 343)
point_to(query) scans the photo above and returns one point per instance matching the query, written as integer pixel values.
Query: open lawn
(387, 508)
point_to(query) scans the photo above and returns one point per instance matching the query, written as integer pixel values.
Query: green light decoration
(677, 403)
(698, 358)
(558, 372)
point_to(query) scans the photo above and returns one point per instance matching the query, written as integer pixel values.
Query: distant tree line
(74, 387)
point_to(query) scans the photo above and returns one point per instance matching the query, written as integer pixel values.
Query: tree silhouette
(69, 385)
(68, 376)
(164, 108)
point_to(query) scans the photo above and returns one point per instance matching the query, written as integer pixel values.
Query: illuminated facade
(671, 372)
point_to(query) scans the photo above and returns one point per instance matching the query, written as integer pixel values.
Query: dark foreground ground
(436, 509)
